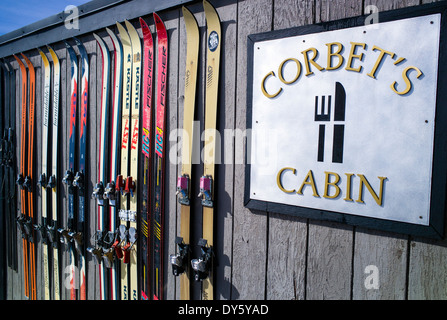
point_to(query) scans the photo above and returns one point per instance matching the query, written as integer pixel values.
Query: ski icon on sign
(323, 107)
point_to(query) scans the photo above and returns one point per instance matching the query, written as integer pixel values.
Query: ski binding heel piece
(27, 183)
(98, 193)
(78, 180)
(64, 235)
(130, 186)
(77, 238)
(42, 182)
(110, 193)
(120, 184)
(206, 183)
(183, 189)
(179, 260)
(20, 180)
(201, 266)
(68, 178)
(51, 182)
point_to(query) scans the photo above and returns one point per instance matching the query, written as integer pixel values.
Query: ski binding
(201, 266)
(183, 189)
(179, 260)
(206, 183)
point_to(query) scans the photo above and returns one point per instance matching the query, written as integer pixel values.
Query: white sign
(343, 121)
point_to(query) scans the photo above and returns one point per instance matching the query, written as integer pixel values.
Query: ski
(79, 179)
(109, 193)
(44, 174)
(26, 219)
(120, 181)
(8, 160)
(70, 172)
(203, 266)
(52, 180)
(98, 192)
(130, 248)
(146, 156)
(160, 134)
(180, 260)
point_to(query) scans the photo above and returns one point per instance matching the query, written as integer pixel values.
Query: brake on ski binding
(179, 260)
(201, 266)
(183, 189)
(132, 235)
(122, 235)
(206, 183)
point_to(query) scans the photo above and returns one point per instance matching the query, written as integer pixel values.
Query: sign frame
(437, 221)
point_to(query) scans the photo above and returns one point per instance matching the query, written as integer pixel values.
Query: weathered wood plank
(250, 227)
(329, 261)
(382, 254)
(427, 270)
(225, 170)
(287, 235)
(171, 20)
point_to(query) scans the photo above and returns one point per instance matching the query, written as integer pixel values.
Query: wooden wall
(260, 255)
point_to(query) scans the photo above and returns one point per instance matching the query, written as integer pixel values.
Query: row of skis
(128, 244)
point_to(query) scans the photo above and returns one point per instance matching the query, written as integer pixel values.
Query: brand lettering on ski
(128, 77)
(84, 109)
(145, 142)
(125, 135)
(163, 77)
(46, 102)
(73, 103)
(137, 88)
(159, 142)
(135, 135)
(55, 108)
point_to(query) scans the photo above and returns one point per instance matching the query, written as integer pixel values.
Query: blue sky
(15, 14)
